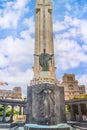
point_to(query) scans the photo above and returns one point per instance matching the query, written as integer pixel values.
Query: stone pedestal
(46, 129)
(45, 104)
(44, 77)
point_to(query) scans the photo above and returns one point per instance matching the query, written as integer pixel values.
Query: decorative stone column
(80, 113)
(44, 62)
(24, 110)
(12, 114)
(72, 112)
(4, 113)
(20, 110)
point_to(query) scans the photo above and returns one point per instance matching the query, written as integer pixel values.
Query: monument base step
(78, 124)
(47, 129)
(4, 125)
(17, 124)
(62, 126)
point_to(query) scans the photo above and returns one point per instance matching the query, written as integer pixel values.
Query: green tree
(80, 96)
(67, 109)
(8, 110)
(16, 111)
(1, 110)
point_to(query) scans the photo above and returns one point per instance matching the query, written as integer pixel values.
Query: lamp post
(3, 83)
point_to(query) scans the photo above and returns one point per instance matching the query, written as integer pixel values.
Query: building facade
(71, 86)
(16, 94)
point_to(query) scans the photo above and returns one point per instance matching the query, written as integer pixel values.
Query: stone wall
(45, 103)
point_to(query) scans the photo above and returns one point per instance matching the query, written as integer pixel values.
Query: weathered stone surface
(45, 104)
(47, 129)
(44, 62)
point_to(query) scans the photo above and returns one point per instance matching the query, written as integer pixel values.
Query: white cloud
(20, 78)
(30, 23)
(75, 28)
(83, 80)
(18, 50)
(17, 56)
(20, 4)
(68, 53)
(58, 26)
(84, 47)
(83, 30)
(85, 8)
(3, 61)
(68, 7)
(10, 19)
(79, 26)
(12, 13)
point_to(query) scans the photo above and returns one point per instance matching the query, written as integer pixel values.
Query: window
(69, 78)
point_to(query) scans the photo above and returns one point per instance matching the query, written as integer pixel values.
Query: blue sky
(17, 31)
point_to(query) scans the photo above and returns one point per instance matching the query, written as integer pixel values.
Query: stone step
(4, 129)
(18, 128)
(17, 124)
(80, 128)
(3, 125)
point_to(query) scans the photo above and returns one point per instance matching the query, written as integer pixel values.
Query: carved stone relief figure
(46, 103)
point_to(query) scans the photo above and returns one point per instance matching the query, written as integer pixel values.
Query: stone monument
(44, 66)
(45, 98)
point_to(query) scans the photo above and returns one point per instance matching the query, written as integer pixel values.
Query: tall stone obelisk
(44, 64)
(45, 99)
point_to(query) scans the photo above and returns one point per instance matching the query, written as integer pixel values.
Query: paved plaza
(21, 128)
(3, 129)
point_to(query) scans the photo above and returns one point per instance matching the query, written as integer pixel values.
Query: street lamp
(3, 83)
